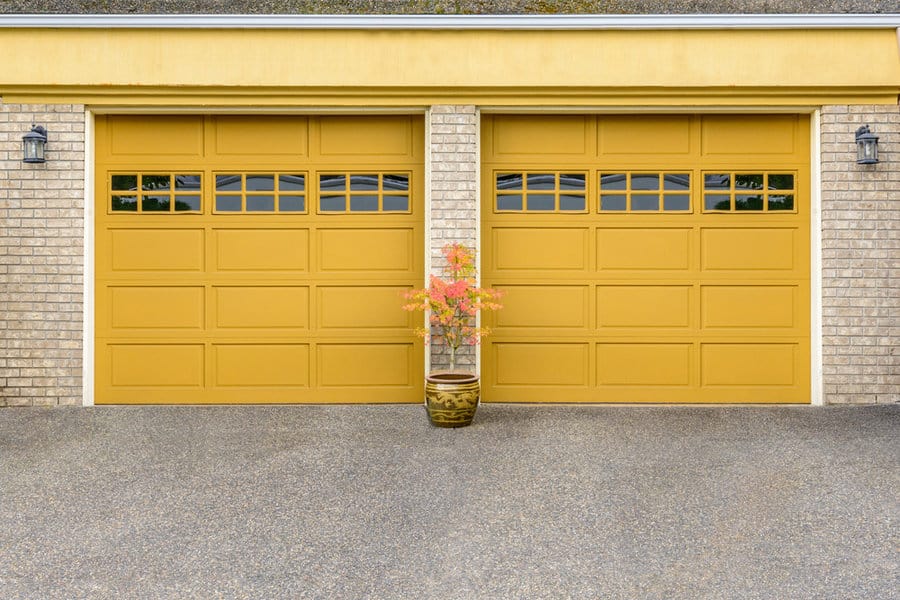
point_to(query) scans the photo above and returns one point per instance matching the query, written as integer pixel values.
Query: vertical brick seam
(454, 202)
(860, 258)
(41, 257)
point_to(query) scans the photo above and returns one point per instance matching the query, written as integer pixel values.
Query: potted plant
(453, 303)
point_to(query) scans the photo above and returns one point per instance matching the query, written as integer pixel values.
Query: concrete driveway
(371, 502)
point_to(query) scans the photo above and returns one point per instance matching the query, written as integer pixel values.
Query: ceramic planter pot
(451, 398)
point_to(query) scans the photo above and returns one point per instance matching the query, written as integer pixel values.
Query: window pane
(154, 203)
(291, 203)
(541, 181)
(572, 181)
(183, 203)
(719, 181)
(395, 183)
(612, 202)
(717, 202)
(612, 181)
(645, 181)
(260, 203)
(541, 201)
(155, 182)
(187, 182)
(785, 202)
(781, 182)
(228, 183)
(745, 202)
(228, 203)
(677, 202)
(363, 203)
(509, 181)
(571, 202)
(509, 202)
(363, 183)
(395, 203)
(260, 183)
(124, 203)
(124, 182)
(748, 182)
(645, 202)
(676, 181)
(291, 183)
(332, 183)
(332, 203)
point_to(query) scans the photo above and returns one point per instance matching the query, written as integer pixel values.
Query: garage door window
(260, 192)
(340, 193)
(645, 192)
(155, 192)
(542, 191)
(758, 192)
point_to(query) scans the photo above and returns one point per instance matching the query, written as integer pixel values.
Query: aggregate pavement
(371, 502)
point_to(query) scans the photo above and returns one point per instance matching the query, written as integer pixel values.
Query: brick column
(453, 155)
(860, 258)
(41, 257)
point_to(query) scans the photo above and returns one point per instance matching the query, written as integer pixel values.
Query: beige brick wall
(41, 257)
(860, 258)
(453, 137)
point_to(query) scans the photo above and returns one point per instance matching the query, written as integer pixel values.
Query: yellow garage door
(257, 259)
(647, 258)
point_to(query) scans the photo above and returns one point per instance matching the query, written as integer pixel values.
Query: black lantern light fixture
(866, 146)
(33, 144)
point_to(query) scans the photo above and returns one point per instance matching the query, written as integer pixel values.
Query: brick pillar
(41, 257)
(860, 258)
(452, 150)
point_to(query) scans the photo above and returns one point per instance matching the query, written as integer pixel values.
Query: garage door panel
(643, 249)
(644, 306)
(362, 365)
(744, 135)
(155, 250)
(363, 307)
(155, 365)
(532, 249)
(748, 249)
(749, 364)
(175, 135)
(541, 364)
(367, 250)
(261, 307)
(261, 365)
(366, 136)
(645, 364)
(155, 308)
(556, 306)
(749, 306)
(627, 137)
(523, 137)
(236, 135)
(261, 250)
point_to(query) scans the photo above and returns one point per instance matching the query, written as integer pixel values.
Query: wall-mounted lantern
(33, 144)
(866, 146)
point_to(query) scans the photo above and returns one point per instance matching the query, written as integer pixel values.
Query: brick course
(41, 258)
(860, 258)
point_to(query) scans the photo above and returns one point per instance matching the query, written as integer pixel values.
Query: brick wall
(454, 195)
(860, 258)
(41, 257)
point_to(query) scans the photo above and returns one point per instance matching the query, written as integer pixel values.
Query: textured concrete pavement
(371, 502)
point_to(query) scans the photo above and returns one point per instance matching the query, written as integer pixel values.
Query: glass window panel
(572, 181)
(291, 203)
(260, 183)
(332, 183)
(395, 183)
(228, 183)
(571, 202)
(781, 181)
(291, 183)
(187, 182)
(717, 202)
(124, 182)
(747, 202)
(124, 203)
(676, 181)
(510, 181)
(363, 183)
(155, 182)
(613, 202)
(785, 202)
(677, 202)
(748, 182)
(395, 203)
(260, 203)
(332, 203)
(360, 203)
(612, 181)
(717, 181)
(645, 202)
(645, 181)
(228, 203)
(541, 181)
(184, 203)
(541, 201)
(154, 203)
(509, 202)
